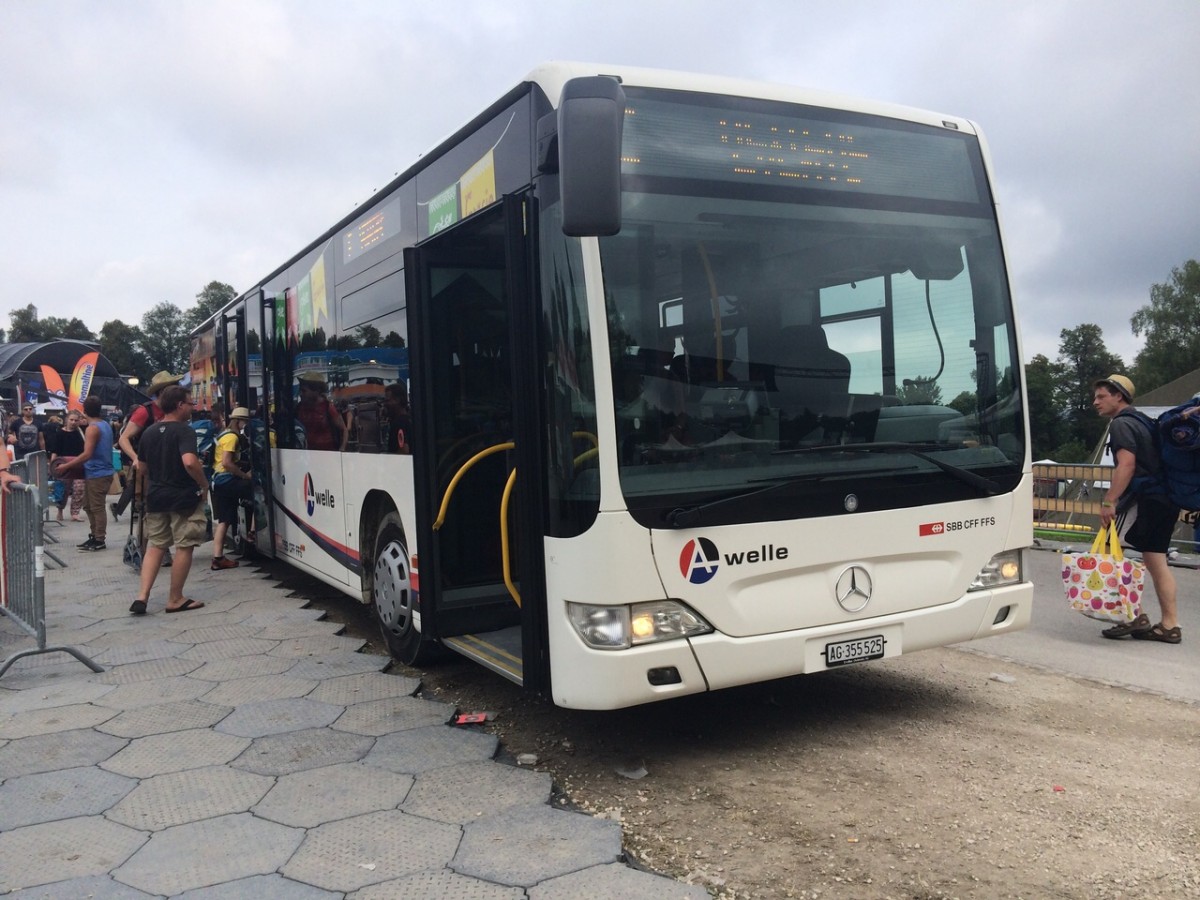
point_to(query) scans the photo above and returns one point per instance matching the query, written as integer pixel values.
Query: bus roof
(550, 78)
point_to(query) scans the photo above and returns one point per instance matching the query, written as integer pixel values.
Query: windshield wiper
(979, 482)
(684, 516)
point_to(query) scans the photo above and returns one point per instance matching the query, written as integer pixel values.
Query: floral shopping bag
(1104, 585)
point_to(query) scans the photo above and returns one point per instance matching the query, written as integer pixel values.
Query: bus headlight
(1001, 569)
(621, 627)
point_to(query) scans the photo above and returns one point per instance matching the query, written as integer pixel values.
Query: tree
(1047, 425)
(1171, 324)
(121, 344)
(57, 327)
(25, 327)
(215, 296)
(165, 345)
(921, 390)
(1084, 359)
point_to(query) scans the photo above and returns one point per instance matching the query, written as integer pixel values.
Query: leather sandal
(1158, 633)
(1140, 624)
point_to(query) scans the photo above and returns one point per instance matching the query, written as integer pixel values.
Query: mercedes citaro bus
(643, 383)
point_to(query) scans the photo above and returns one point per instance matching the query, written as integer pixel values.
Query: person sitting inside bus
(323, 427)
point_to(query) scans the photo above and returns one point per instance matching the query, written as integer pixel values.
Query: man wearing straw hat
(139, 419)
(1145, 517)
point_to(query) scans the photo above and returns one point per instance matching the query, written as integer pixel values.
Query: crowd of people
(154, 455)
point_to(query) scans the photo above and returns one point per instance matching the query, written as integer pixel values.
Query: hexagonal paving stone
(65, 794)
(58, 750)
(352, 853)
(181, 797)
(306, 799)
(227, 649)
(332, 665)
(57, 851)
(444, 884)
(43, 696)
(164, 719)
(279, 716)
(381, 717)
(298, 648)
(289, 630)
(615, 880)
(260, 887)
(420, 749)
(150, 670)
(178, 751)
(525, 845)
(93, 887)
(244, 667)
(57, 718)
(257, 688)
(349, 689)
(298, 751)
(210, 852)
(140, 651)
(152, 693)
(467, 792)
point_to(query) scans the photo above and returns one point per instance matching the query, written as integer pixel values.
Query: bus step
(499, 650)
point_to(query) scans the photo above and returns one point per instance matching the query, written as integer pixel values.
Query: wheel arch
(376, 507)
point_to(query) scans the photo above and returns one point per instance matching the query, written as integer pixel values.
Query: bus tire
(393, 597)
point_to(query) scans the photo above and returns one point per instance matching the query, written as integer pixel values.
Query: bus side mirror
(591, 115)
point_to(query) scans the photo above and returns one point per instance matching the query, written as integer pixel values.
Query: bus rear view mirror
(591, 114)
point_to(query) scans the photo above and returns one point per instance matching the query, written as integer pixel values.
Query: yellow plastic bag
(1104, 585)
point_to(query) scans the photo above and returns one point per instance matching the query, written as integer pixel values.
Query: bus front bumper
(599, 679)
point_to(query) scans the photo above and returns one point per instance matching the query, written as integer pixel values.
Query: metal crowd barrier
(23, 574)
(34, 469)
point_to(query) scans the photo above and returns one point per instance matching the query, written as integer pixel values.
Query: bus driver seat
(812, 383)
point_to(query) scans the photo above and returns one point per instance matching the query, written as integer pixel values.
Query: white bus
(711, 382)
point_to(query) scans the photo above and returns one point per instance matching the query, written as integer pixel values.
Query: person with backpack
(230, 484)
(140, 419)
(1137, 499)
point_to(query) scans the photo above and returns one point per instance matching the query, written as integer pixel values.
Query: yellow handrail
(508, 582)
(504, 500)
(462, 470)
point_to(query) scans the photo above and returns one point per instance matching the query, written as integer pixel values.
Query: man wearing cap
(139, 419)
(231, 483)
(1145, 517)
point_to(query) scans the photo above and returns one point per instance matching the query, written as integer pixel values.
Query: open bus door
(477, 466)
(260, 429)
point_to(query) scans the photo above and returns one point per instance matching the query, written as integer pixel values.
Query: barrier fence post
(23, 573)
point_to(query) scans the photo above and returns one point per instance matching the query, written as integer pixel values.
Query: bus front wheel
(393, 596)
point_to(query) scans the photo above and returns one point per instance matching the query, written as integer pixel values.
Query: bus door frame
(527, 504)
(264, 535)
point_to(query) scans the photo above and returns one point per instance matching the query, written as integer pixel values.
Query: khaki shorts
(181, 529)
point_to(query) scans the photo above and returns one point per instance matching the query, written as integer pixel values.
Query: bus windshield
(798, 296)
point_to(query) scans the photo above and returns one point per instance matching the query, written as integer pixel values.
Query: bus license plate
(843, 653)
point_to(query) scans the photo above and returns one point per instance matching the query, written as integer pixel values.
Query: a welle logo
(699, 560)
(314, 498)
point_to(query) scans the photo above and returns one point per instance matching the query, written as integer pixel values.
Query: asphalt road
(1061, 640)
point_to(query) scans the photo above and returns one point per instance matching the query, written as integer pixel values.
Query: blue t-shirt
(99, 464)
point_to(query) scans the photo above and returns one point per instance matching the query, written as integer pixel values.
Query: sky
(149, 147)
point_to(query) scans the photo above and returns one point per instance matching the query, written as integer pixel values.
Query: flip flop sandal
(1140, 624)
(1158, 633)
(187, 604)
(138, 607)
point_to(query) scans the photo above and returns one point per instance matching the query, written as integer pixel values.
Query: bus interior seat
(811, 381)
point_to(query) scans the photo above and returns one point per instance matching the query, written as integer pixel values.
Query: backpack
(1177, 440)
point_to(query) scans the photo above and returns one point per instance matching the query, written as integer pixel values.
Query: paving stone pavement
(249, 750)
